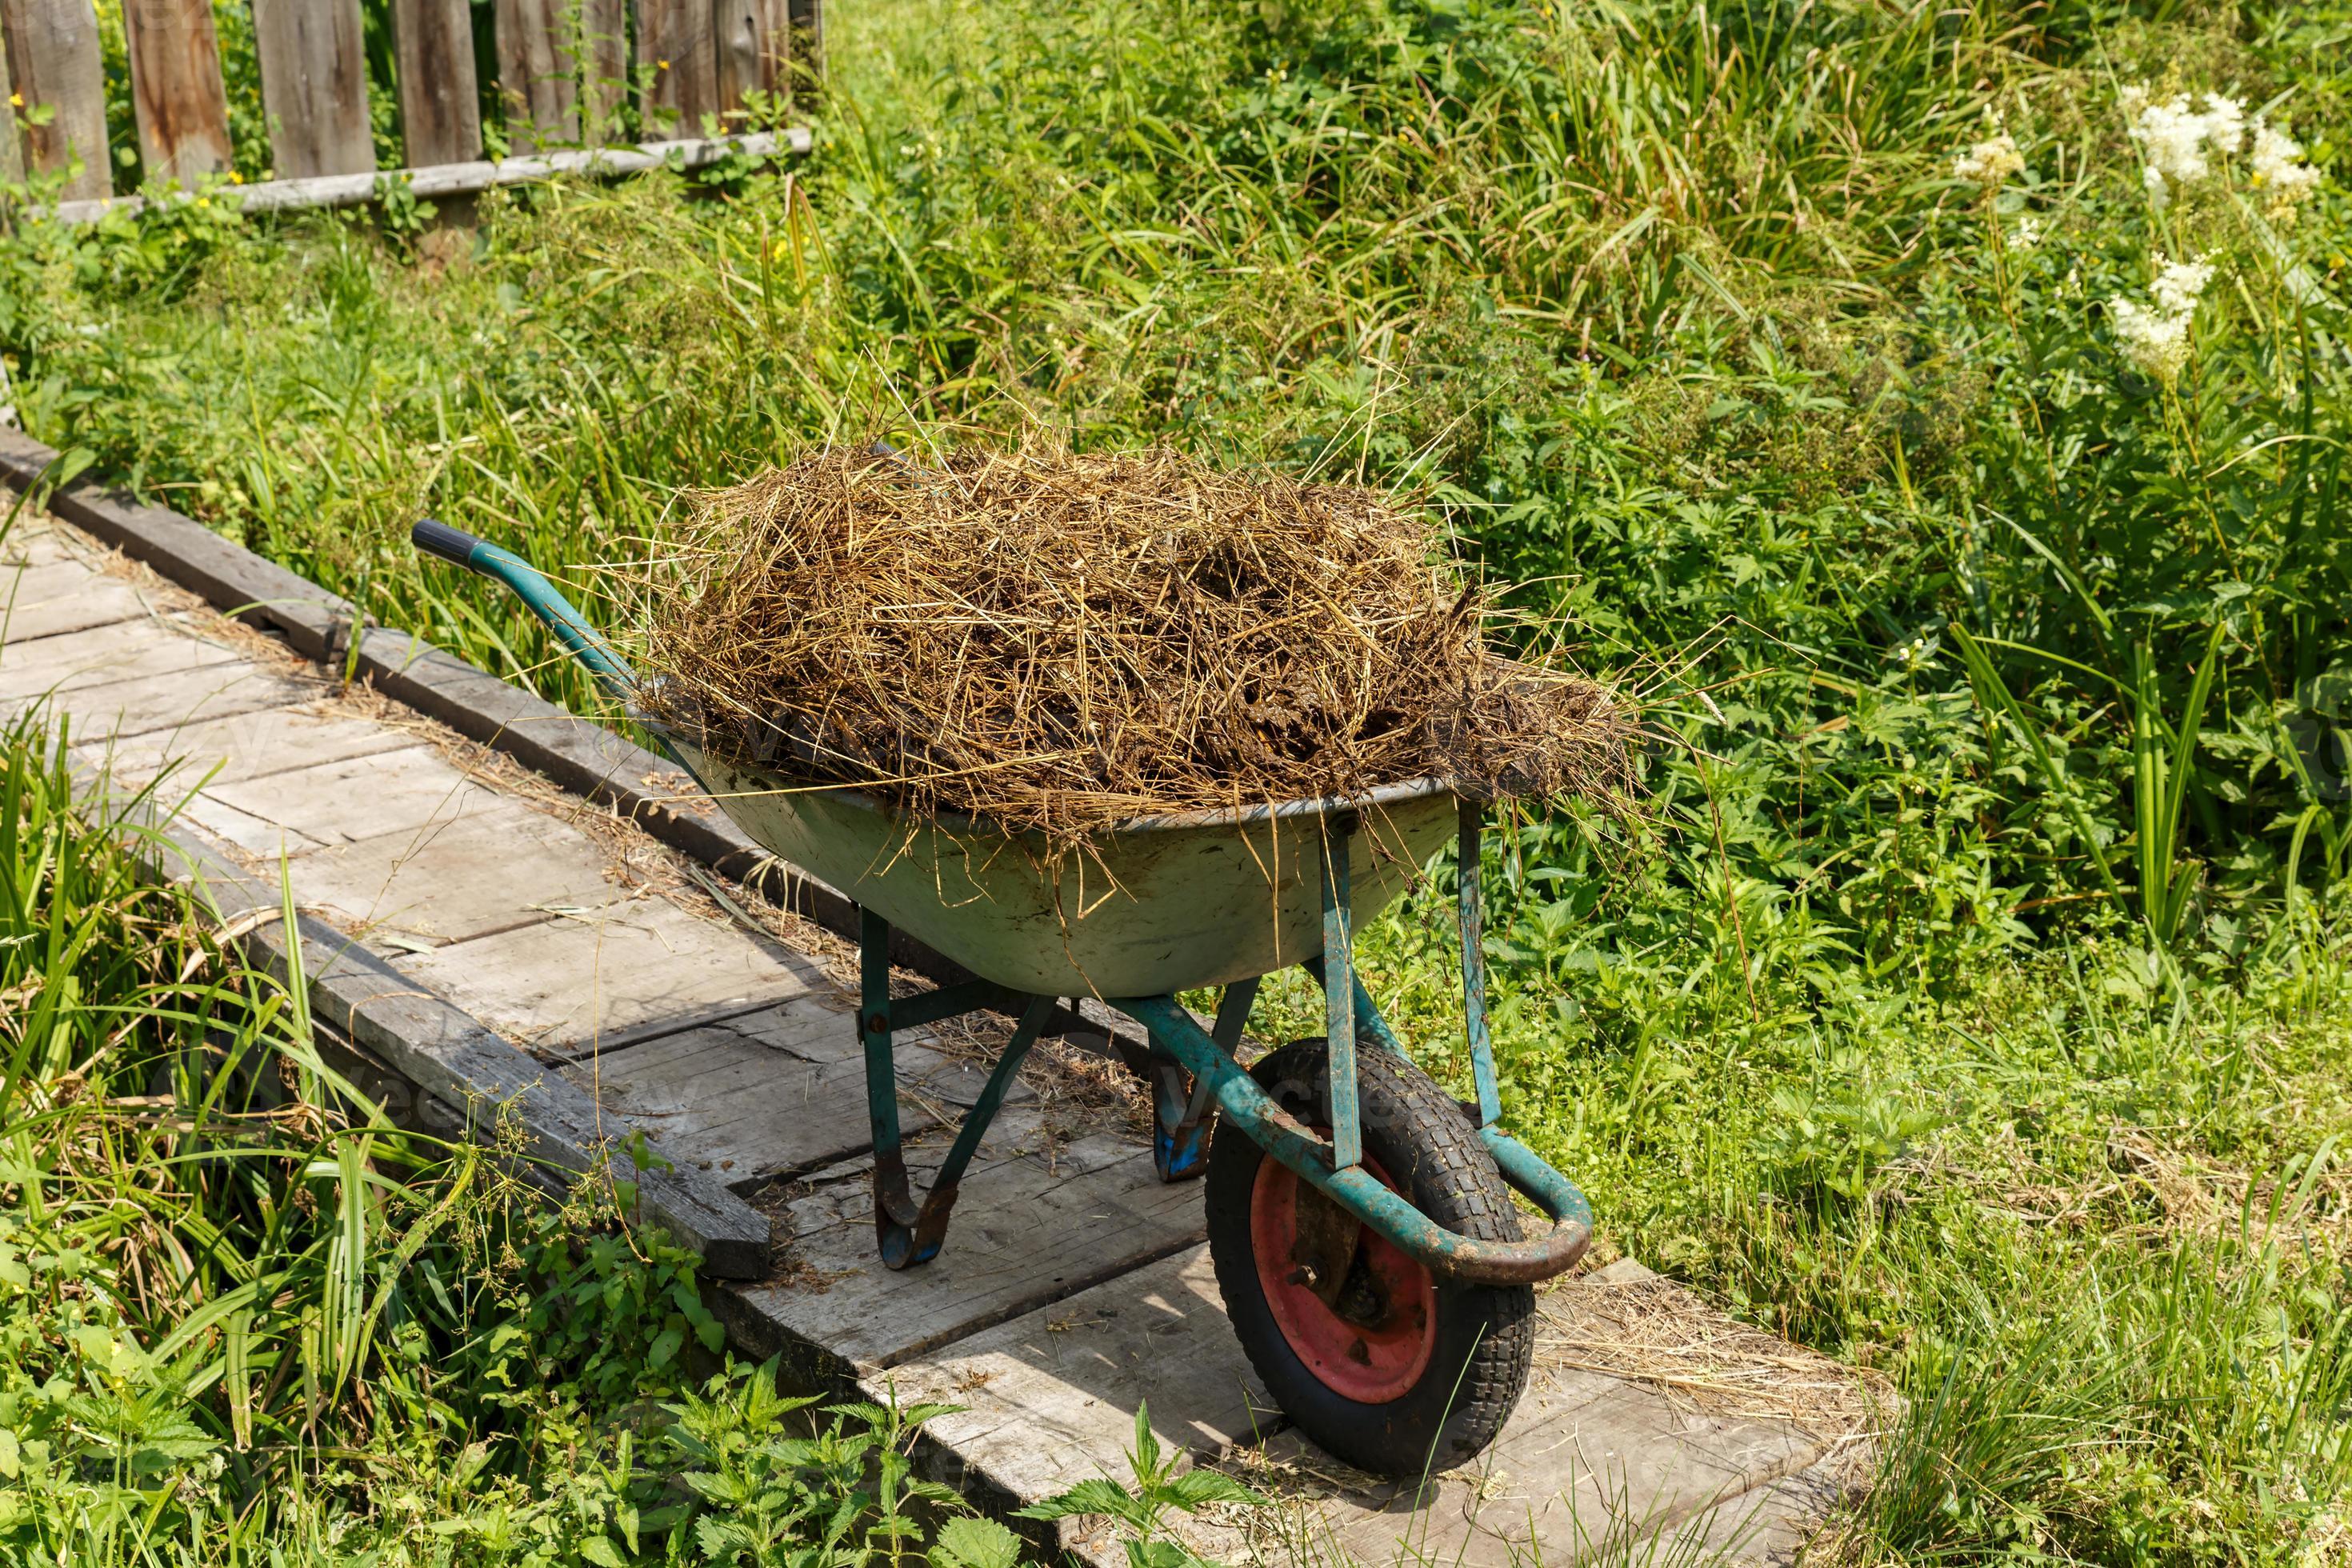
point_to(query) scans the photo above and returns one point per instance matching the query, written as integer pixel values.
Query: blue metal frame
(1190, 1066)
(1339, 998)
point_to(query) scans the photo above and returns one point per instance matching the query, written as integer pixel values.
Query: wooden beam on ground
(539, 76)
(464, 179)
(449, 1055)
(314, 87)
(440, 112)
(53, 63)
(679, 59)
(175, 89)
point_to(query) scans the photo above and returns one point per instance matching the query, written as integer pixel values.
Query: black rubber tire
(1486, 1334)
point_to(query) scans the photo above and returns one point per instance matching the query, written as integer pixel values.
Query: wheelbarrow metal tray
(1157, 905)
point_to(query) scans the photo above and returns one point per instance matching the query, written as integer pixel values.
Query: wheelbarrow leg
(1181, 1102)
(908, 1233)
(1339, 989)
(1474, 965)
(1372, 1030)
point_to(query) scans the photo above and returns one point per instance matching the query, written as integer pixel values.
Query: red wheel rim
(1370, 1357)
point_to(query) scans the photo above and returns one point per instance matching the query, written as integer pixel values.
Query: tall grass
(244, 1319)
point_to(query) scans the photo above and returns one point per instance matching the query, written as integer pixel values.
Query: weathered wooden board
(175, 89)
(244, 746)
(440, 116)
(12, 146)
(1050, 1397)
(679, 58)
(256, 836)
(603, 69)
(1586, 1468)
(414, 790)
(133, 707)
(770, 1094)
(127, 650)
(44, 601)
(1035, 1224)
(454, 880)
(54, 62)
(452, 1056)
(539, 78)
(33, 540)
(755, 42)
(1589, 1464)
(314, 87)
(1772, 1525)
(607, 977)
(807, 19)
(438, 1048)
(230, 577)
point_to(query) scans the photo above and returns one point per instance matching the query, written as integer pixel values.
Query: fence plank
(314, 87)
(440, 117)
(53, 60)
(754, 49)
(807, 20)
(175, 89)
(537, 77)
(12, 152)
(604, 66)
(680, 59)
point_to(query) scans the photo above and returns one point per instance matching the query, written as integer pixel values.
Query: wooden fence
(564, 70)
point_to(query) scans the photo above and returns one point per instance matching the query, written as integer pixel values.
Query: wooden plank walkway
(1073, 1286)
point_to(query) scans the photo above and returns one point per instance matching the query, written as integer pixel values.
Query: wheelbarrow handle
(453, 544)
(539, 596)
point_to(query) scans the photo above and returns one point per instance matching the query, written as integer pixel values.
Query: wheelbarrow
(1360, 1219)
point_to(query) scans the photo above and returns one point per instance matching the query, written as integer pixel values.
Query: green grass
(244, 1321)
(1969, 999)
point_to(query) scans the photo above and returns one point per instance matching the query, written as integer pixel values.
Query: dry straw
(1055, 642)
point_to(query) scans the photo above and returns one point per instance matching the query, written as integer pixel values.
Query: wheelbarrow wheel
(1383, 1364)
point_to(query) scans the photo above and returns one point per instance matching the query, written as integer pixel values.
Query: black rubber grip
(440, 539)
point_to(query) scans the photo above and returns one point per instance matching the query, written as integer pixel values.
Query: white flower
(2175, 139)
(2171, 137)
(2025, 233)
(2279, 168)
(2156, 342)
(2178, 284)
(2225, 122)
(1990, 162)
(1918, 653)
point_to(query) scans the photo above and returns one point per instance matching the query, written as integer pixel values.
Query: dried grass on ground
(1057, 642)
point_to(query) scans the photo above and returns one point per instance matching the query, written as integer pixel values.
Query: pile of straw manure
(1057, 642)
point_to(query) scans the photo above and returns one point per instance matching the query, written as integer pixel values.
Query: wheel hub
(1360, 1314)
